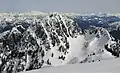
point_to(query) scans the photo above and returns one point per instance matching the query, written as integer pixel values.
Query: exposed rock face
(35, 41)
(30, 45)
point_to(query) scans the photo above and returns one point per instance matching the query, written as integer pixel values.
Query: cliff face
(30, 42)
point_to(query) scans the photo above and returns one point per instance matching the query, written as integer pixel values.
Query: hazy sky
(60, 5)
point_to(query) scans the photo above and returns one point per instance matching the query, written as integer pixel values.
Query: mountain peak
(33, 40)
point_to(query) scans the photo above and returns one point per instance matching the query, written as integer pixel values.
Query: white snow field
(104, 66)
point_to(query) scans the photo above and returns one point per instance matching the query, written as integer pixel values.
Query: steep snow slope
(106, 66)
(35, 40)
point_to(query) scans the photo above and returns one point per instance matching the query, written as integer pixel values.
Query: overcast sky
(79, 6)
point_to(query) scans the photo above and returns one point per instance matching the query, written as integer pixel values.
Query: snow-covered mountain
(34, 40)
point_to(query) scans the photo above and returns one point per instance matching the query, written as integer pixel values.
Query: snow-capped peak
(33, 40)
